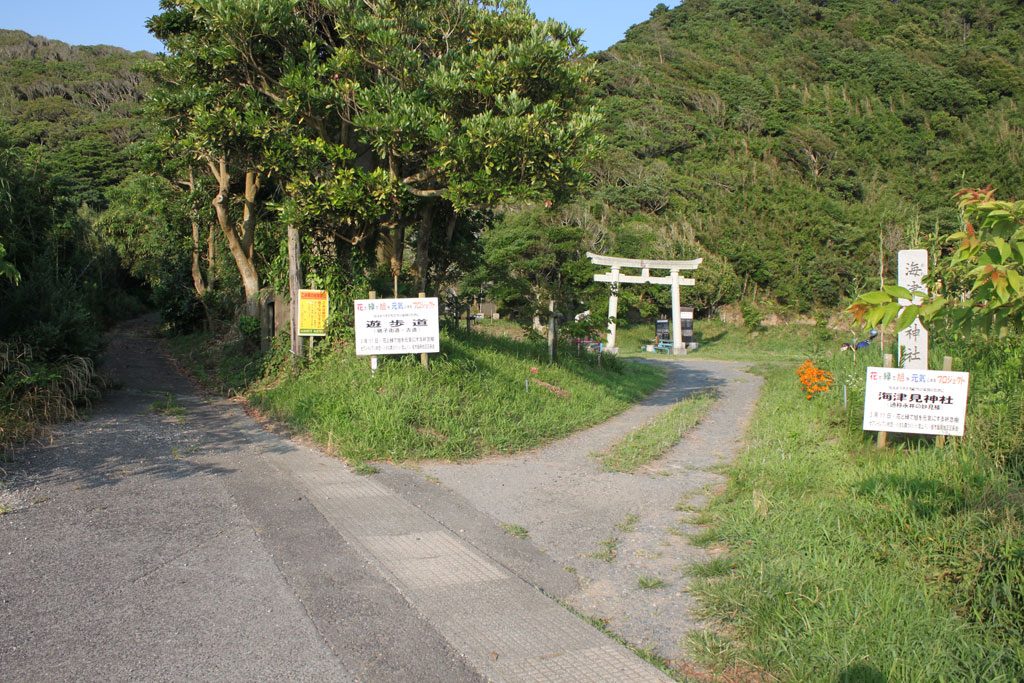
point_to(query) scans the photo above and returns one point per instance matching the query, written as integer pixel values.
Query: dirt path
(611, 529)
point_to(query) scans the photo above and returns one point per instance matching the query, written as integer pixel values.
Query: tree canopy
(370, 122)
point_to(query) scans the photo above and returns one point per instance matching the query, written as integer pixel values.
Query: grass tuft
(609, 550)
(628, 524)
(650, 583)
(651, 441)
(516, 530)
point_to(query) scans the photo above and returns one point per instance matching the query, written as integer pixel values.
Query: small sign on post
(915, 401)
(387, 327)
(313, 311)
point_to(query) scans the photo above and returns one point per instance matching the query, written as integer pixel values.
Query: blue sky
(121, 22)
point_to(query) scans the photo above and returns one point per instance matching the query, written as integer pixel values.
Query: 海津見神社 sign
(394, 326)
(913, 341)
(915, 401)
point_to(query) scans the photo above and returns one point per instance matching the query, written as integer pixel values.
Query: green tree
(378, 120)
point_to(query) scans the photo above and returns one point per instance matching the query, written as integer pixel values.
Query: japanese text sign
(313, 310)
(395, 326)
(915, 401)
(913, 341)
(913, 267)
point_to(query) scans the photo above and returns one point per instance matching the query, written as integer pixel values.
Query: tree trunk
(197, 271)
(422, 265)
(239, 246)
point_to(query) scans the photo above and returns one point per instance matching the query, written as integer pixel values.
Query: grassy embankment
(480, 396)
(846, 563)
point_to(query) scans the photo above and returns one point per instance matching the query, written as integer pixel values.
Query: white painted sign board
(913, 341)
(915, 401)
(387, 327)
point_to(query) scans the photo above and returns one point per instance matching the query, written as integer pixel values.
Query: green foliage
(63, 294)
(75, 109)
(371, 125)
(752, 316)
(35, 392)
(7, 268)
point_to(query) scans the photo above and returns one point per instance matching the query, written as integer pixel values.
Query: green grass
(516, 530)
(480, 396)
(720, 341)
(609, 550)
(628, 525)
(652, 440)
(227, 367)
(849, 563)
(168, 405)
(649, 583)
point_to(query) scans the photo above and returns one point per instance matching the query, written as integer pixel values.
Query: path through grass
(650, 441)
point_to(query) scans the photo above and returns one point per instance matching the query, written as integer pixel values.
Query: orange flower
(814, 379)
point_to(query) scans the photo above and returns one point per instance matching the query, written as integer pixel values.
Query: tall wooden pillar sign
(616, 278)
(913, 341)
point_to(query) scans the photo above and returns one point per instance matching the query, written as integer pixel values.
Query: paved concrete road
(191, 544)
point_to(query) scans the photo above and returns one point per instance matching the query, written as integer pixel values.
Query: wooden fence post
(425, 357)
(883, 437)
(294, 285)
(373, 359)
(947, 365)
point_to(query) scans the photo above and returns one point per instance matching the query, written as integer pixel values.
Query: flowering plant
(814, 379)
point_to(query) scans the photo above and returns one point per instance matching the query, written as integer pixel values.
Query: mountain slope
(74, 108)
(791, 137)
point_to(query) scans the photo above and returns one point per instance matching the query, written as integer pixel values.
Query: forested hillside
(75, 109)
(796, 137)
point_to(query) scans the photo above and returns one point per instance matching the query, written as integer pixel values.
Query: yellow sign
(312, 313)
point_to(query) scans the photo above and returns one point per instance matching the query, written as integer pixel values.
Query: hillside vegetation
(796, 138)
(76, 109)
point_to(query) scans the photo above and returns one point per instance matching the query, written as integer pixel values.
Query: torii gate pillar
(613, 311)
(678, 346)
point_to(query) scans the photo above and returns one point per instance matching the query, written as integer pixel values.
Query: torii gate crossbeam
(615, 277)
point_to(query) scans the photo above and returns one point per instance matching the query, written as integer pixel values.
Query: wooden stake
(294, 285)
(424, 357)
(373, 359)
(947, 365)
(552, 333)
(883, 437)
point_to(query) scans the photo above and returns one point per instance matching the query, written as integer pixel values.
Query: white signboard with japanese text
(395, 326)
(915, 401)
(913, 341)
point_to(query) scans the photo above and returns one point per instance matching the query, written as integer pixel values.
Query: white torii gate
(615, 277)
